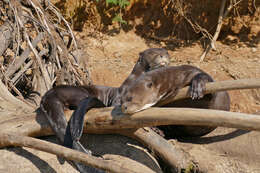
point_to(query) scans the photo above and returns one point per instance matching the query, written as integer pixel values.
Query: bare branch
(217, 86)
(106, 119)
(6, 95)
(222, 16)
(19, 61)
(172, 155)
(5, 36)
(108, 165)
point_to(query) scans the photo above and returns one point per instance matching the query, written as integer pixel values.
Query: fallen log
(69, 154)
(111, 120)
(176, 158)
(216, 86)
(36, 125)
(107, 120)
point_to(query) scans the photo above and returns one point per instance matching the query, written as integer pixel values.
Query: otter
(156, 85)
(165, 82)
(58, 98)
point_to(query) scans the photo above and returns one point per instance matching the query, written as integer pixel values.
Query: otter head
(154, 58)
(140, 95)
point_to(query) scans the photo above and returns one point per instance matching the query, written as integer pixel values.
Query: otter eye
(129, 99)
(149, 85)
(161, 56)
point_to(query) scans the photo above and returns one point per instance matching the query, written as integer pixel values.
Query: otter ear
(149, 84)
(141, 54)
(141, 59)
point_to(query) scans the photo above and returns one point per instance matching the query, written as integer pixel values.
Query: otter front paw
(197, 88)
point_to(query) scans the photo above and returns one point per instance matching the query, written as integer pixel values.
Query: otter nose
(163, 63)
(124, 108)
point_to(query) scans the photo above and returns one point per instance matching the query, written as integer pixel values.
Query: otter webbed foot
(198, 85)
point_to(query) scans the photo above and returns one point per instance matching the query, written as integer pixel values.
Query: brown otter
(60, 97)
(165, 82)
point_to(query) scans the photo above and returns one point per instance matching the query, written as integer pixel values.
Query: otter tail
(75, 129)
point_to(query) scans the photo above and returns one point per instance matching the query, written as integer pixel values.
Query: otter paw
(197, 89)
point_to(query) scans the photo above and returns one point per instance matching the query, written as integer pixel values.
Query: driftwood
(69, 154)
(217, 86)
(111, 120)
(176, 158)
(40, 44)
(100, 120)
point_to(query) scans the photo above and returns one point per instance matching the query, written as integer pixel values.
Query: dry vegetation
(39, 50)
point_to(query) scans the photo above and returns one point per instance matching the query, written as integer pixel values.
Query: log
(107, 120)
(111, 120)
(173, 156)
(216, 86)
(104, 119)
(69, 154)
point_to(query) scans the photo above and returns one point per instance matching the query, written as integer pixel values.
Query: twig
(46, 77)
(19, 74)
(6, 95)
(18, 62)
(222, 16)
(5, 36)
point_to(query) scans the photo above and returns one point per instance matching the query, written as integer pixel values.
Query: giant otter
(157, 85)
(165, 82)
(58, 98)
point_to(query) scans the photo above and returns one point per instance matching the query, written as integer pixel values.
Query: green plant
(122, 4)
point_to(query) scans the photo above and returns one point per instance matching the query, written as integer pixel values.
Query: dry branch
(100, 120)
(18, 62)
(217, 86)
(111, 120)
(222, 16)
(176, 158)
(8, 97)
(106, 120)
(69, 154)
(5, 36)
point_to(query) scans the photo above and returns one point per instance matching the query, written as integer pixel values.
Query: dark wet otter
(57, 99)
(165, 82)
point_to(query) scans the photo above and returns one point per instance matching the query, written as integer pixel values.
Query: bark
(216, 86)
(19, 61)
(6, 31)
(173, 156)
(107, 120)
(111, 120)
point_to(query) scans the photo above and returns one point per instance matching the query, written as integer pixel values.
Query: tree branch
(216, 86)
(5, 36)
(176, 158)
(69, 154)
(222, 16)
(108, 119)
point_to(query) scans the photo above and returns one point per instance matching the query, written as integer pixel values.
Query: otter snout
(129, 108)
(125, 110)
